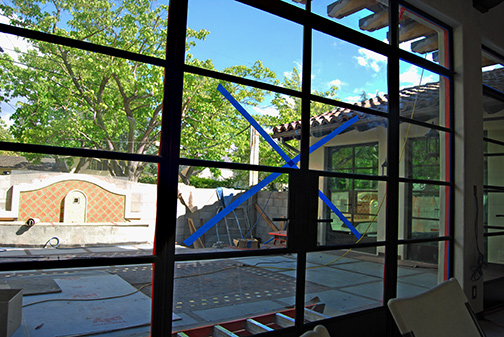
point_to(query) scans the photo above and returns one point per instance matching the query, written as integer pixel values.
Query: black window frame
(168, 160)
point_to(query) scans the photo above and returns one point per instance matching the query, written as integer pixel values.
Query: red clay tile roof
(424, 99)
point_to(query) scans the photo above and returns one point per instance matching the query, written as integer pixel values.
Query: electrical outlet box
(474, 292)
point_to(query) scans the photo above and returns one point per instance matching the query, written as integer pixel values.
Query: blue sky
(241, 34)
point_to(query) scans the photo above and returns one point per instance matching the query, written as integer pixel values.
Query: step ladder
(236, 222)
(255, 325)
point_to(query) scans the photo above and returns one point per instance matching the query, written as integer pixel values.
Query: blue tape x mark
(290, 163)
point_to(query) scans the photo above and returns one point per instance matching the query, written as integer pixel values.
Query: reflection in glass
(370, 17)
(493, 76)
(244, 295)
(349, 73)
(50, 213)
(423, 37)
(138, 27)
(423, 95)
(354, 211)
(68, 97)
(424, 211)
(220, 211)
(344, 281)
(351, 132)
(423, 153)
(421, 266)
(113, 298)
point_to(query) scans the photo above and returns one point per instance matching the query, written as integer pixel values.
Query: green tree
(75, 98)
(289, 110)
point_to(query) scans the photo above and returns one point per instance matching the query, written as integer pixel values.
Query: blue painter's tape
(219, 216)
(339, 214)
(290, 163)
(256, 125)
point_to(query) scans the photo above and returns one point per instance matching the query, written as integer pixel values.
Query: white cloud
(337, 83)
(352, 99)
(413, 77)
(269, 111)
(370, 59)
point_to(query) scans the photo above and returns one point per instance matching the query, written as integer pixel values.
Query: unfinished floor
(206, 292)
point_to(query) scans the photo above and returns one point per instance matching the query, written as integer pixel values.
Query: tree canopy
(75, 98)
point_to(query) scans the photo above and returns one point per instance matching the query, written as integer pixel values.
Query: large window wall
(493, 100)
(132, 106)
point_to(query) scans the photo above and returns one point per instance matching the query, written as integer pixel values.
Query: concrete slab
(9, 252)
(33, 285)
(338, 302)
(363, 267)
(426, 280)
(372, 290)
(185, 320)
(238, 311)
(405, 271)
(406, 290)
(56, 251)
(270, 261)
(321, 258)
(333, 278)
(97, 314)
(111, 249)
(146, 246)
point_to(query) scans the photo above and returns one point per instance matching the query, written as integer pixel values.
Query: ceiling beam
(413, 30)
(374, 21)
(427, 45)
(342, 8)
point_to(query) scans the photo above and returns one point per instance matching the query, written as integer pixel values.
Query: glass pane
(370, 17)
(219, 211)
(494, 155)
(217, 120)
(242, 40)
(349, 73)
(49, 213)
(73, 98)
(135, 26)
(423, 37)
(493, 115)
(421, 266)
(424, 153)
(494, 244)
(424, 95)
(98, 300)
(348, 142)
(230, 291)
(351, 211)
(424, 211)
(493, 70)
(344, 282)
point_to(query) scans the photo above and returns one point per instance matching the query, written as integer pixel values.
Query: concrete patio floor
(216, 291)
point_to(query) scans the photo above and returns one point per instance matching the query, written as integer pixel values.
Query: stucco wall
(119, 211)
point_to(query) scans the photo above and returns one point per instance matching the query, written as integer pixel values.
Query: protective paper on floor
(69, 318)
